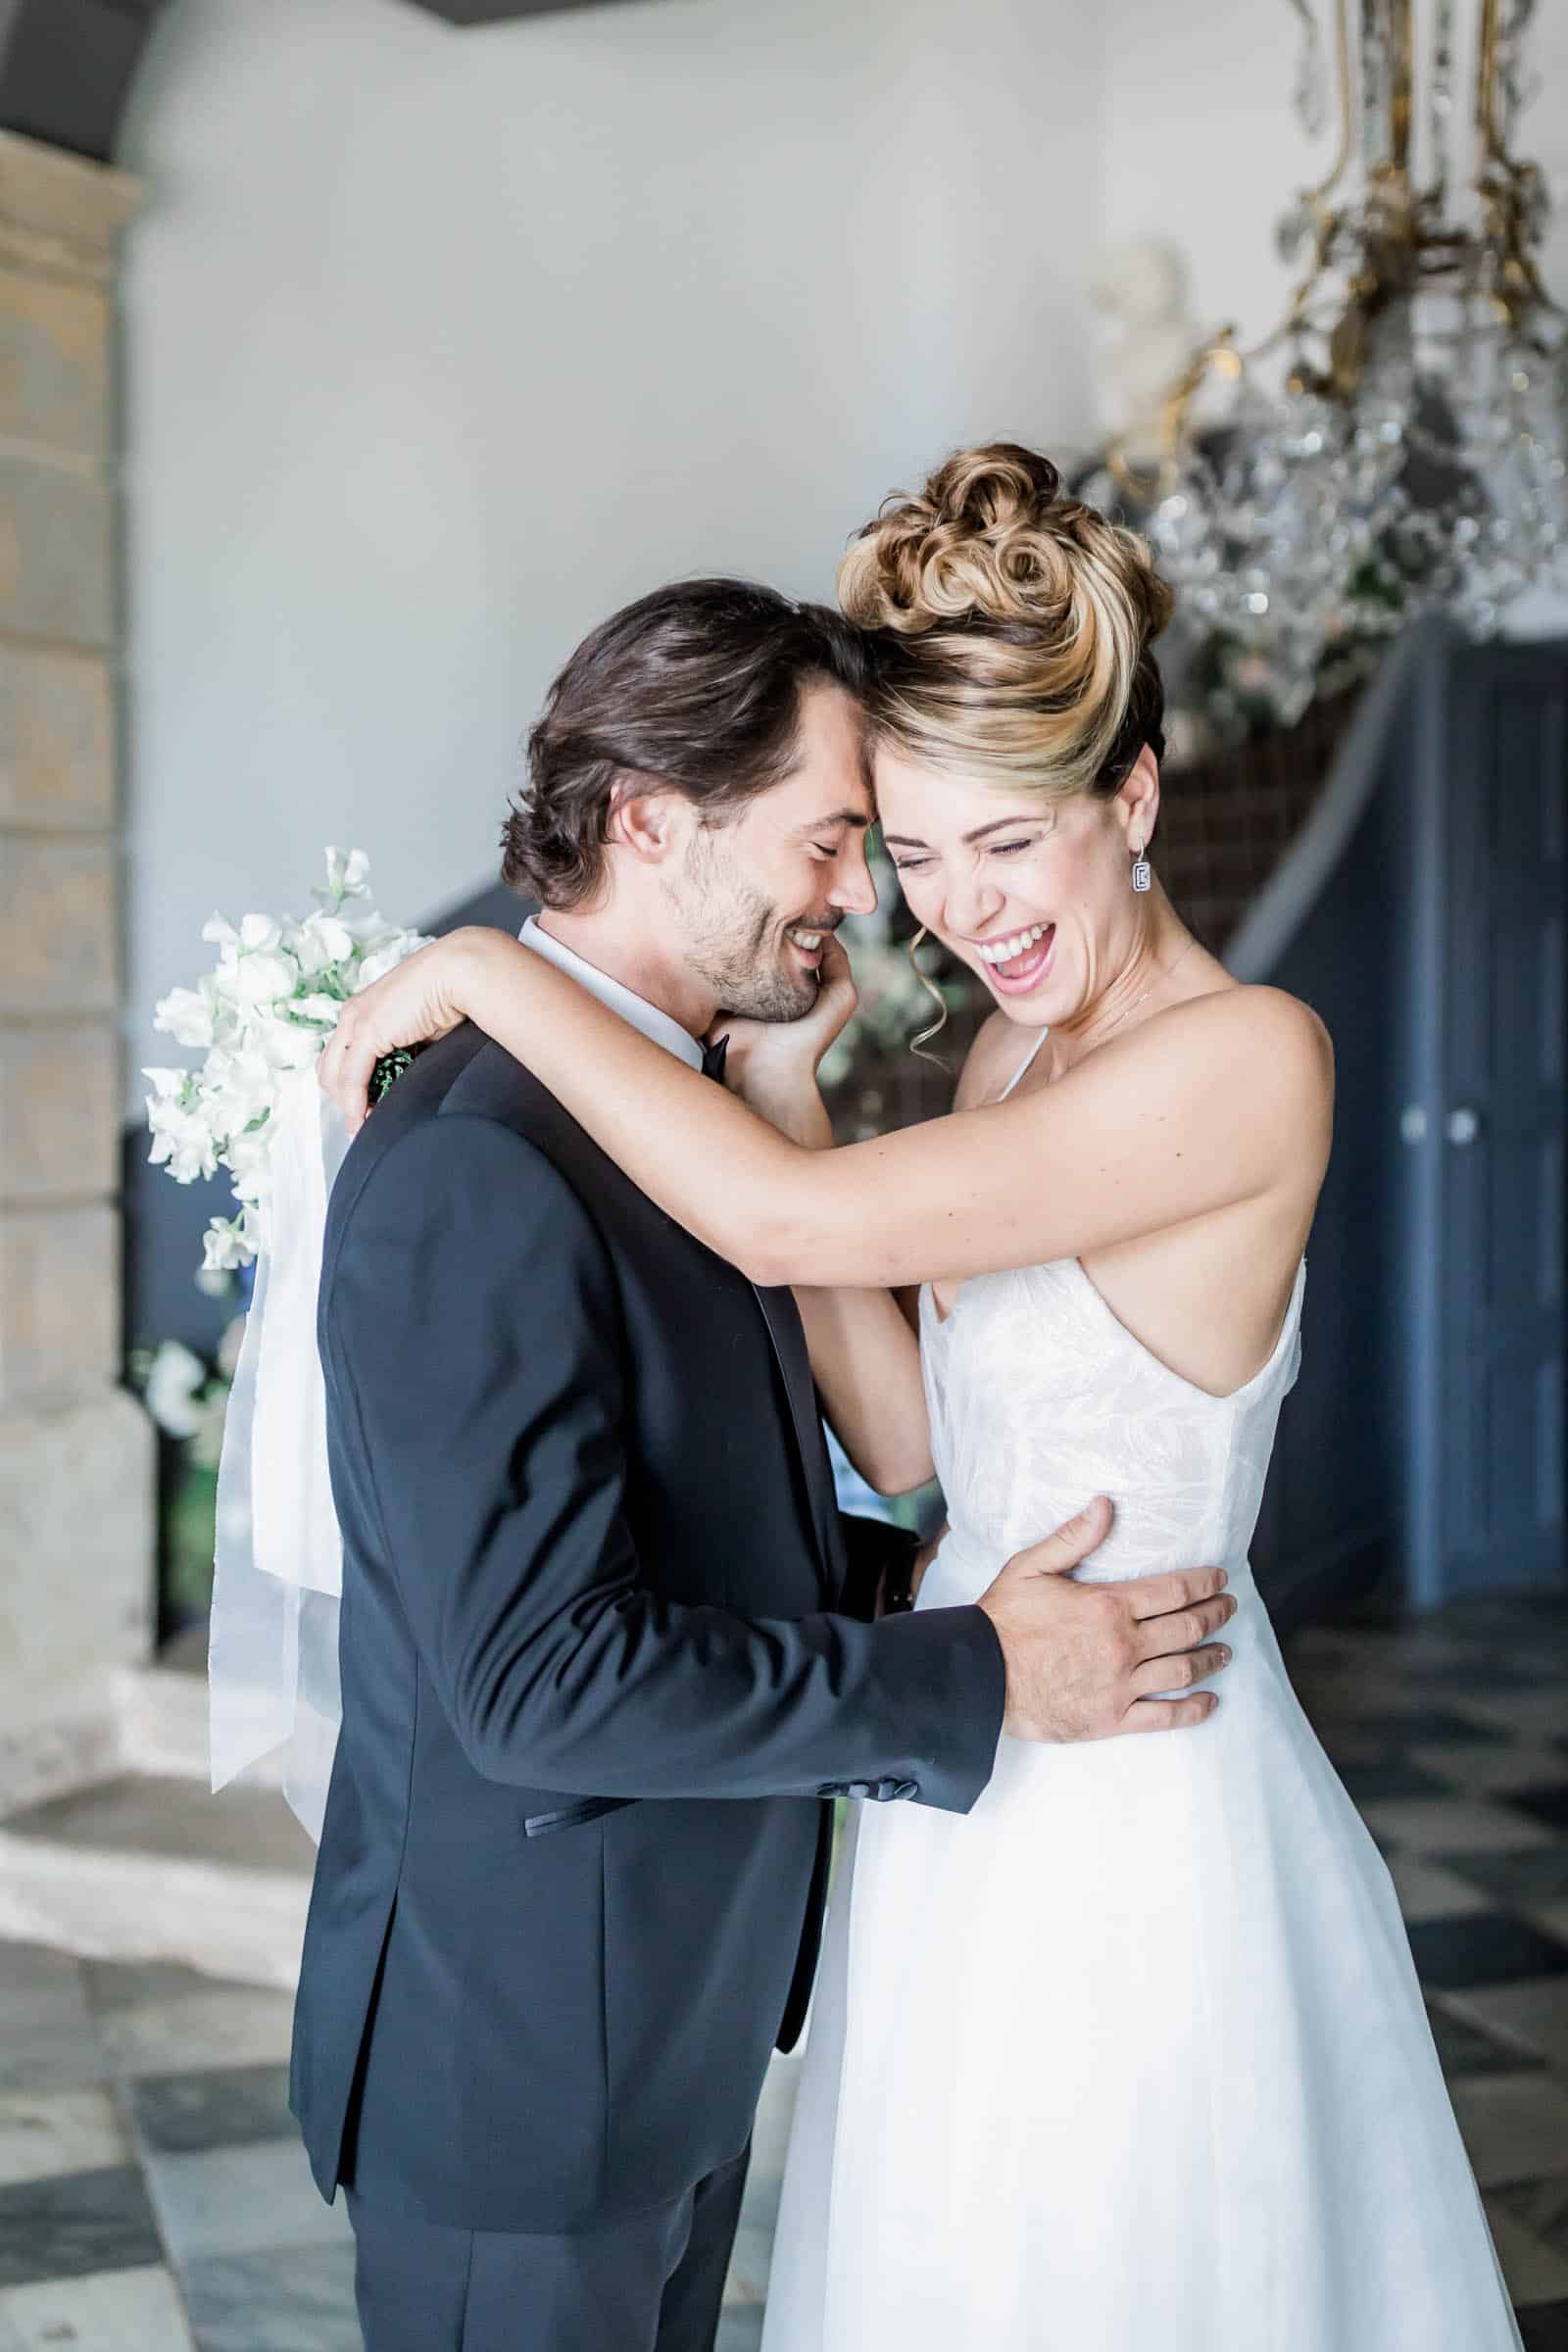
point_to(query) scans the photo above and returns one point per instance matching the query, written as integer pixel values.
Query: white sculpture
(1142, 290)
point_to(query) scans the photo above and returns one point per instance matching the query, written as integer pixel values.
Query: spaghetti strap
(1023, 1066)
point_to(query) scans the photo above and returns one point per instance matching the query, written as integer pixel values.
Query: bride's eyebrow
(907, 841)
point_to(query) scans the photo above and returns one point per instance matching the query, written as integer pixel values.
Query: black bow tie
(713, 1060)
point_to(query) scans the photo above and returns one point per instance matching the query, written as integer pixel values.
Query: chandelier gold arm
(1314, 197)
(1220, 354)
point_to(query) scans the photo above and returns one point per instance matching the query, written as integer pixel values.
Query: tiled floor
(153, 2196)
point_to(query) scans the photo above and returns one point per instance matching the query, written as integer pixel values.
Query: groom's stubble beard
(732, 934)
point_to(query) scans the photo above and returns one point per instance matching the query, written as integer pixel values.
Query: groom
(608, 1649)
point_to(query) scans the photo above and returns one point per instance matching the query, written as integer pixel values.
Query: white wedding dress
(1133, 2057)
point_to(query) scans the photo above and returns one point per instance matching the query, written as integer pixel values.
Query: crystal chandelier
(1399, 442)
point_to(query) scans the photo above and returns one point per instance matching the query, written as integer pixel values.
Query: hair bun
(1014, 621)
(991, 538)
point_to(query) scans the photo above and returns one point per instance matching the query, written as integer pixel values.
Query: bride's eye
(909, 865)
(1007, 849)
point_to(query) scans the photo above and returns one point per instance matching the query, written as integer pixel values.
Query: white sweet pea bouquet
(268, 1010)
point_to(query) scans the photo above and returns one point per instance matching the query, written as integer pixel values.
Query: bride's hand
(418, 999)
(773, 1064)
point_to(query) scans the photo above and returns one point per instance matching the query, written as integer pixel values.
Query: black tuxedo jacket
(598, 1675)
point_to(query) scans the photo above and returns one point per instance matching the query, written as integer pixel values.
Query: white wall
(439, 345)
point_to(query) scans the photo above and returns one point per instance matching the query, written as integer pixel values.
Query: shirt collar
(631, 1008)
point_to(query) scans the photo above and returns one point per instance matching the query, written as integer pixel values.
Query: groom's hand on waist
(1086, 1661)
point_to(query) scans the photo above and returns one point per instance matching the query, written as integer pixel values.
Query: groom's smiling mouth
(809, 941)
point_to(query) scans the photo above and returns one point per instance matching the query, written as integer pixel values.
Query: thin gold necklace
(1129, 1009)
(992, 1100)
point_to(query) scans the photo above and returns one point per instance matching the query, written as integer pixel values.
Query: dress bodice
(1041, 1398)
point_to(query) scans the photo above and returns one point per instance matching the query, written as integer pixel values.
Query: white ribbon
(272, 1676)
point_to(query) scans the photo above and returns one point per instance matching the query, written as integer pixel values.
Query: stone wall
(76, 1451)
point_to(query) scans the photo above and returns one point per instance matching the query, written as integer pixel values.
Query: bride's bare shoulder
(1272, 1043)
(1255, 1019)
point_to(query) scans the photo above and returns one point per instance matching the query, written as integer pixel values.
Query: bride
(1108, 1232)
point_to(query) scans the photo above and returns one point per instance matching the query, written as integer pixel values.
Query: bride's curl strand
(922, 1037)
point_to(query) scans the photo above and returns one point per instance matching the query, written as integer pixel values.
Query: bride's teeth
(1005, 950)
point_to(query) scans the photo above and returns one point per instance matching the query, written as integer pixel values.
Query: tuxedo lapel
(783, 1322)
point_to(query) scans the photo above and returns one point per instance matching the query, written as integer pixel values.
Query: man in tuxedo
(608, 1650)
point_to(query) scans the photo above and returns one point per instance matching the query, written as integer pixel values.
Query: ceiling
(67, 66)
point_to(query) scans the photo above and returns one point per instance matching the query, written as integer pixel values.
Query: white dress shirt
(659, 1027)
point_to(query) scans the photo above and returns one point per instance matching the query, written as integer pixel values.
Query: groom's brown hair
(697, 687)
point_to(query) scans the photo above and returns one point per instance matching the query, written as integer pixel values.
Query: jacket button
(832, 1788)
(860, 1789)
(906, 1787)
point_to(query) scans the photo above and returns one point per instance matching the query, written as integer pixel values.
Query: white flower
(266, 1009)
(284, 1044)
(174, 1381)
(264, 976)
(247, 1158)
(223, 1247)
(187, 1015)
(182, 1140)
(237, 1088)
(347, 871)
(386, 956)
(223, 934)
(316, 1009)
(322, 939)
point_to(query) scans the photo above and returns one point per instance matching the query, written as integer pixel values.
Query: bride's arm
(1197, 1110)
(865, 1358)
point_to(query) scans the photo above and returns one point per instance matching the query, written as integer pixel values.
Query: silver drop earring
(1142, 872)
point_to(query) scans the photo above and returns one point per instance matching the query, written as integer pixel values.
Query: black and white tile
(1476, 1701)
(154, 2196)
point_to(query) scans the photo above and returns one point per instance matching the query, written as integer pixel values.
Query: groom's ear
(645, 817)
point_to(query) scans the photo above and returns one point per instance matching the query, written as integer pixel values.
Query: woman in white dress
(1134, 2054)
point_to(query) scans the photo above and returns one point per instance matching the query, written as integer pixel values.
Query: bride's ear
(1137, 802)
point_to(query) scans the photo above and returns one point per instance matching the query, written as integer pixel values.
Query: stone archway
(75, 1452)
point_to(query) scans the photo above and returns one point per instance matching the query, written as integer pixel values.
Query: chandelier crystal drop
(1400, 443)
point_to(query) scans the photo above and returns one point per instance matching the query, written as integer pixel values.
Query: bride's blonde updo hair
(1013, 627)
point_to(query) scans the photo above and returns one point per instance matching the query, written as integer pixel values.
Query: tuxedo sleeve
(471, 1336)
(872, 1551)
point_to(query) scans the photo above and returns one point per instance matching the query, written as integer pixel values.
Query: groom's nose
(853, 890)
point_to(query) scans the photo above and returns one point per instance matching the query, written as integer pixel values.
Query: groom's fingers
(1169, 1714)
(1166, 1638)
(1162, 1676)
(1179, 1588)
(346, 1068)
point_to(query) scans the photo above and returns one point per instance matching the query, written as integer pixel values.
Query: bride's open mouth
(1018, 962)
